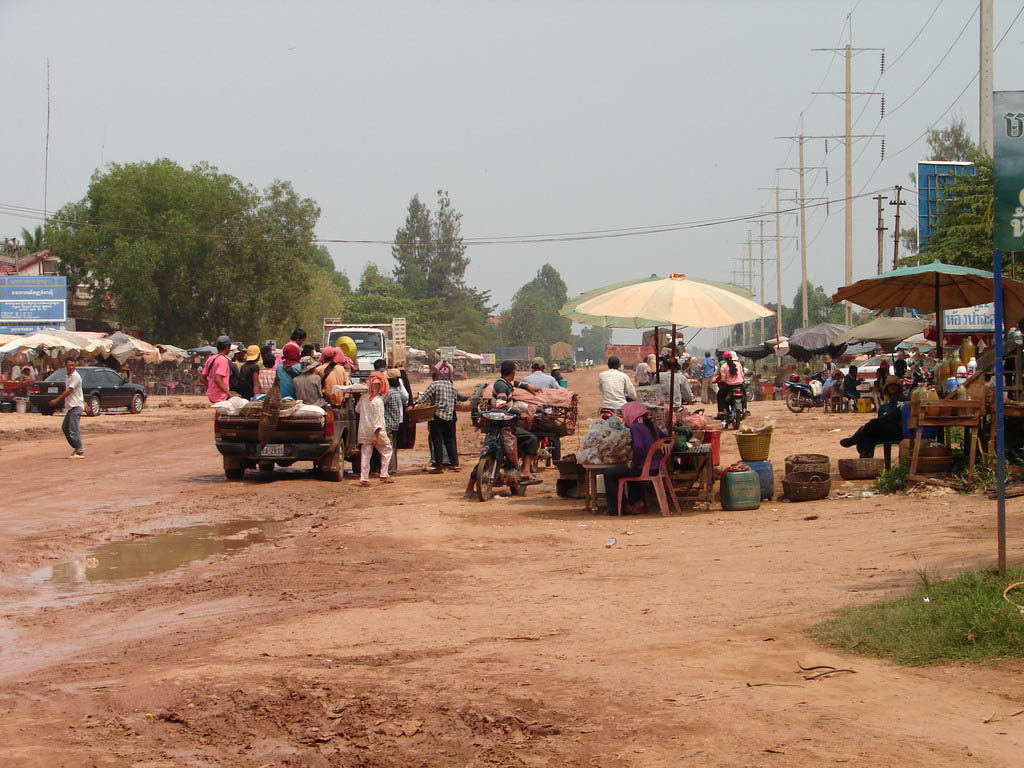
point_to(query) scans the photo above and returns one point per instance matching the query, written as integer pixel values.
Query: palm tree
(31, 242)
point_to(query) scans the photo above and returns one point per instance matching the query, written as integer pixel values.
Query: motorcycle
(734, 410)
(496, 467)
(803, 395)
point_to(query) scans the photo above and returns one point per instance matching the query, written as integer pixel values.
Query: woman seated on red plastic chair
(643, 434)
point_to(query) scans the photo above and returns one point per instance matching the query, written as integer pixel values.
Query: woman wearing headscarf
(642, 434)
(332, 372)
(373, 429)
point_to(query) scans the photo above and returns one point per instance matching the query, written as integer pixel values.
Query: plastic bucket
(766, 474)
(714, 436)
(768, 390)
(741, 490)
(21, 405)
(6, 407)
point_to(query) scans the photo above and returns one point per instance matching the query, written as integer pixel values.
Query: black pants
(725, 392)
(442, 440)
(634, 491)
(526, 442)
(886, 429)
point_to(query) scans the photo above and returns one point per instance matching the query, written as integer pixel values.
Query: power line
(27, 212)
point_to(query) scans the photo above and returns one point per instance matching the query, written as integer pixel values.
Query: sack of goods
(606, 442)
(552, 411)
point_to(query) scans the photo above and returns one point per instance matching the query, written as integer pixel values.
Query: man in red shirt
(217, 372)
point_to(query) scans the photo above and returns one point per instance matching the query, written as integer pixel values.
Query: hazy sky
(538, 117)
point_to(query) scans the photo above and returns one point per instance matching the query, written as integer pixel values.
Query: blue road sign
(31, 299)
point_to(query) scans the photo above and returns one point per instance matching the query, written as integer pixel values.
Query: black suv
(102, 389)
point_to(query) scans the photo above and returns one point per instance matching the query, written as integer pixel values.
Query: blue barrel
(766, 473)
(741, 490)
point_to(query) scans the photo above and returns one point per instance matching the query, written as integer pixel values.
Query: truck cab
(374, 341)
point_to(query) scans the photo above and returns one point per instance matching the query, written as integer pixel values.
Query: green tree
(533, 315)
(185, 254)
(33, 241)
(593, 339)
(430, 256)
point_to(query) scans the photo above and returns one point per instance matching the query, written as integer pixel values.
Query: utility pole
(760, 238)
(896, 227)
(848, 137)
(985, 76)
(778, 256)
(881, 231)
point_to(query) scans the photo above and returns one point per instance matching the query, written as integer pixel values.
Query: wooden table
(696, 483)
(945, 413)
(593, 470)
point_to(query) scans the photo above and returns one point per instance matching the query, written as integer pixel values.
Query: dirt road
(402, 625)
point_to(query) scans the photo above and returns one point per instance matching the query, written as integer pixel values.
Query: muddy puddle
(149, 555)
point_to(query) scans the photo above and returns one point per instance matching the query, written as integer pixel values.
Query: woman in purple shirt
(643, 434)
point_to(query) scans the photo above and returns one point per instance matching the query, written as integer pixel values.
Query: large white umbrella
(674, 300)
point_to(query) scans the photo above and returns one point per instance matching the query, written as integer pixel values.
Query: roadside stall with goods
(960, 401)
(45, 351)
(671, 301)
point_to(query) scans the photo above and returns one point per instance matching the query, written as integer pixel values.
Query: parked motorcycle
(496, 466)
(802, 395)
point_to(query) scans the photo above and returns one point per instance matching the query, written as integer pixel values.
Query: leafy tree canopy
(593, 339)
(186, 254)
(533, 316)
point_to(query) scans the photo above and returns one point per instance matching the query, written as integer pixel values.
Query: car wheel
(92, 405)
(137, 402)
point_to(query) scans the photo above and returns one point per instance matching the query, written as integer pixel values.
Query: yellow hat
(347, 346)
(252, 352)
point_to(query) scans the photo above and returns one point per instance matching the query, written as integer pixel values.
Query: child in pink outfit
(373, 431)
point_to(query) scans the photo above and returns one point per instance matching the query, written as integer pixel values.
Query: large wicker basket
(806, 486)
(754, 447)
(421, 413)
(807, 462)
(860, 469)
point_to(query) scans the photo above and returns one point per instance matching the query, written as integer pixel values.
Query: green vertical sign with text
(1008, 170)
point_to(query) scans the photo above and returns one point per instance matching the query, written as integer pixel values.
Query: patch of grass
(893, 480)
(963, 619)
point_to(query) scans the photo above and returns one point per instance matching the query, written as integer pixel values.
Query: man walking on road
(73, 408)
(707, 372)
(217, 372)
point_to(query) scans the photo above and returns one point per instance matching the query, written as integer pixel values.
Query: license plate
(274, 449)
(52, 390)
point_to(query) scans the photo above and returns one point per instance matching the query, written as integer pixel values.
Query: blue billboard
(34, 299)
(932, 178)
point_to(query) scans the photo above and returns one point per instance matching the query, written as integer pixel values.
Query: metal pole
(849, 179)
(985, 125)
(896, 227)
(997, 275)
(803, 237)
(761, 240)
(672, 383)
(778, 263)
(881, 233)
(938, 324)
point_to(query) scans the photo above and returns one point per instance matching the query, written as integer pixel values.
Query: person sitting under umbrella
(887, 427)
(643, 433)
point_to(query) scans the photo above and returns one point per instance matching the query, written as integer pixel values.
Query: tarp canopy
(884, 331)
(561, 350)
(753, 351)
(130, 348)
(207, 350)
(53, 343)
(171, 354)
(805, 343)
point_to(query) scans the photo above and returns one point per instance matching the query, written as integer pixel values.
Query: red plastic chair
(662, 481)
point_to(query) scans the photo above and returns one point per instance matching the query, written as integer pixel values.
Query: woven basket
(860, 469)
(808, 462)
(754, 447)
(421, 413)
(806, 486)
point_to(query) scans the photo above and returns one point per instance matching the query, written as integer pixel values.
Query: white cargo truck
(373, 341)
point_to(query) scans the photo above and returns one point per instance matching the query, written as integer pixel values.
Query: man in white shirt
(73, 408)
(540, 379)
(616, 387)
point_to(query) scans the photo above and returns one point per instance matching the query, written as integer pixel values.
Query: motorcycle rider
(730, 375)
(527, 444)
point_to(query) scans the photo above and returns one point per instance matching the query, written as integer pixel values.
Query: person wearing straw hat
(887, 427)
(248, 385)
(308, 386)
